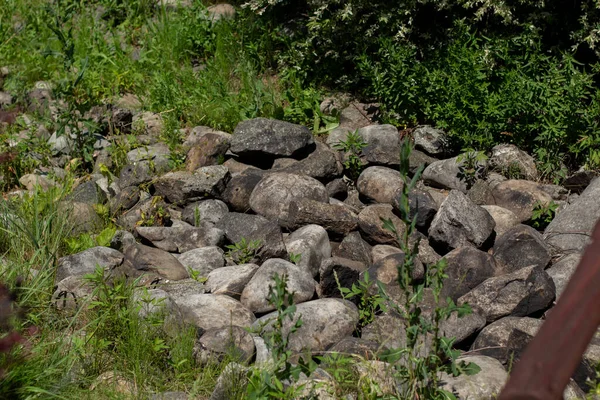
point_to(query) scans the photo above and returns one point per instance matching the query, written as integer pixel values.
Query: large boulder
(252, 228)
(324, 322)
(467, 268)
(299, 282)
(322, 164)
(372, 226)
(521, 247)
(261, 137)
(181, 238)
(273, 195)
(353, 247)
(460, 222)
(450, 174)
(311, 244)
(203, 260)
(379, 184)
(214, 311)
(504, 219)
(230, 281)
(148, 259)
(571, 228)
(431, 140)
(240, 187)
(520, 293)
(382, 144)
(87, 261)
(485, 384)
(520, 197)
(211, 210)
(337, 219)
(209, 150)
(183, 186)
(513, 163)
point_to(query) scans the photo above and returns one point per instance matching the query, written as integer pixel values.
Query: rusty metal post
(551, 358)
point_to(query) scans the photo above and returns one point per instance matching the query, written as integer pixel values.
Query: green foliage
(86, 240)
(352, 147)
(295, 258)
(543, 214)
(369, 302)
(243, 251)
(472, 166)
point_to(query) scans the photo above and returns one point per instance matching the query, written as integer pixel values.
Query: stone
(570, 230)
(513, 163)
(357, 115)
(520, 247)
(217, 12)
(336, 219)
(82, 217)
(562, 270)
(311, 244)
(121, 240)
(418, 160)
(218, 343)
(385, 270)
(31, 181)
(209, 150)
(261, 137)
(144, 258)
(324, 322)
(156, 157)
(182, 238)
(5, 99)
(520, 293)
(353, 247)
(236, 167)
(371, 224)
(230, 281)
(134, 175)
(183, 186)
(148, 123)
(256, 293)
(449, 174)
(211, 210)
(214, 311)
(85, 262)
(379, 184)
(347, 272)
(87, 192)
(460, 222)
(382, 144)
(520, 197)
(504, 219)
(480, 193)
(273, 195)
(321, 164)
(203, 260)
(240, 187)
(72, 293)
(467, 268)
(254, 228)
(181, 289)
(337, 189)
(421, 205)
(485, 384)
(431, 140)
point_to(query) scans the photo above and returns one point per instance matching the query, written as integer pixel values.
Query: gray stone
(371, 224)
(421, 205)
(520, 247)
(448, 174)
(353, 247)
(513, 163)
(182, 238)
(311, 243)
(562, 270)
(520, 197)
(203, 260)
(431, 140)
(520, 293)
(261, 137)
(233, 342)
(347, 272)
(213, 311)
(485, 384)
(182, 186)
(230, 281)
(121, 240)
(240, 187)
(273, 195)
(480, 193)
(460, 222)
(324, 322)
(195, 135)
(254, 228)
(217, 12)
(155, 156)
(83, 217)
(256, 293)
(504, 219)
(467, 268)
(144, 258)
(204, 211)
(570, 229)
(181, 289)
(134, 175)
(321, 164)
(335, 219)
(148, 123)
(209, 150)
(87, 192)
(379, 184)
(86, 262)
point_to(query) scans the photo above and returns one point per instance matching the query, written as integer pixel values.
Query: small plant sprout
(243, 251)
